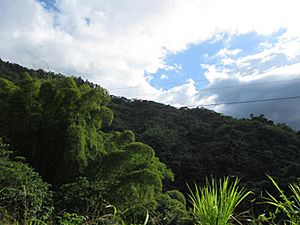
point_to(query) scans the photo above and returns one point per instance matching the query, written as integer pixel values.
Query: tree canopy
(198, 143)
(57, 122)
(87, 152)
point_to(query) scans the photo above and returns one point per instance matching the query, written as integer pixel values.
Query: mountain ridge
(197, 143)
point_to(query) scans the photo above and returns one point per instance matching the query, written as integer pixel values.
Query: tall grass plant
(214, 204)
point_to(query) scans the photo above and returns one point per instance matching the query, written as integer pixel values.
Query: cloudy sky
(179, 52)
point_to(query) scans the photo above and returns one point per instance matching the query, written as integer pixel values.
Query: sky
(186, 53)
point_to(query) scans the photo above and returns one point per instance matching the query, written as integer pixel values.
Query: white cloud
(214, 73)
(163, 76)
(274, 72)
(176, 67)
(125, 41)
(228, 52)
(183, 95)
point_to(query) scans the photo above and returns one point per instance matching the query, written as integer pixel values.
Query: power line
(254, 84)
(245, 102)
(161, 84)
(233, 86)
(204, 80)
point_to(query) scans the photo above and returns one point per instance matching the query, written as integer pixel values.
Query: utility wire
(204, 80)
(254, 84)
(161, 84)
(245, 102)
(234, 86)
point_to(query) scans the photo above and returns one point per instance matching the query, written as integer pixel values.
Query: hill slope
(55, 123)
(196, 143)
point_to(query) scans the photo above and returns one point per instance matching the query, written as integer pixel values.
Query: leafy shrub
(83, 197)
(71, 219)
(171, 210)
(23, 193)
(288, 207)
(175, 194)
(214, 204)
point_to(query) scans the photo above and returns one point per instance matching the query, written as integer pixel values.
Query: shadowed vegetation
(76, 155)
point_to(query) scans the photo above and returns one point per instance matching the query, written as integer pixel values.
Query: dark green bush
(23, 193)
(171, 209)
(83, 197)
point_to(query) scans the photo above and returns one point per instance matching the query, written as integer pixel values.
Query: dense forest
(196, 143)
(72, 154)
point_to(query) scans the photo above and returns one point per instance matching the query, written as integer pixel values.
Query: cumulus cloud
(228, 52)
(117, 44)
(272, 73)
(183, 95)
(164, 76)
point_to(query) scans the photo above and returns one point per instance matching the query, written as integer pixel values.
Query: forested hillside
(197, 143)
(56, 122)
(72, 154)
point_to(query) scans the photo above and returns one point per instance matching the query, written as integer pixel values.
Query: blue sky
(49, 4)
(190, 59)
(182, 53)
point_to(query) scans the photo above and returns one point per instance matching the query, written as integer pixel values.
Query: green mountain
(55, 124)
(198, 143)
(97, 150)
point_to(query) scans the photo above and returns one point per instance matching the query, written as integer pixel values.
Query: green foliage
(214, 204)
(54, 123)
(197, 143)
(60, 125)
(72, 219)
(135, 176)
(175, 194)
(289, 206)
(83, 197)
(23, 196)
(171, 210)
